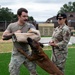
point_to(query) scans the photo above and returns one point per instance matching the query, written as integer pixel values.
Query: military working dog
(40, 57)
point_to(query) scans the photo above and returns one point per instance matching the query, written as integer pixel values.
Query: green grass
(5, 47)
(70, 64)
(1, 34)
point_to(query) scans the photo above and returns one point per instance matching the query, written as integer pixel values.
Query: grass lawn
(1, 34)
(70, 64)
(6, 47)
(5, 58)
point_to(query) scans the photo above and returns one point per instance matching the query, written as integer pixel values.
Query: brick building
(70, 19)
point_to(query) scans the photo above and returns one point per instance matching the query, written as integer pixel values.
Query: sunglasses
(60, 18)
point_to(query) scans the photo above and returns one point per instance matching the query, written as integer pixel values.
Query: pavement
(45, 40)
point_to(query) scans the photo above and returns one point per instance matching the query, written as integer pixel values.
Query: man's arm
(6, 35)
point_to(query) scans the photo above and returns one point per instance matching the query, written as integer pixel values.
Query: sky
(41, 10)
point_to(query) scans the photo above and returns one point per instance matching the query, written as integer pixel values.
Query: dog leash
(54, 53)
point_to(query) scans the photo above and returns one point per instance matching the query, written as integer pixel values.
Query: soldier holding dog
(17, 59)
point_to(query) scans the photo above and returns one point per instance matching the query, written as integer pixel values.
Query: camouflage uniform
(17, 59)
(61, 37)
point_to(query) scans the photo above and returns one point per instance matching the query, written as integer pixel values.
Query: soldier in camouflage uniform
(59, 42)
(17, 59)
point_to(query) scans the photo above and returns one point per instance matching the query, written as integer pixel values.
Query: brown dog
(40, 57)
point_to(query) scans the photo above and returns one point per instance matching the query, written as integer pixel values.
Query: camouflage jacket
(61, 36)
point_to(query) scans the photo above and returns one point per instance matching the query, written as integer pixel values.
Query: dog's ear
(41, 45)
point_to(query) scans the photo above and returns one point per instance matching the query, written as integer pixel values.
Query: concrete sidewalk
(46, 40)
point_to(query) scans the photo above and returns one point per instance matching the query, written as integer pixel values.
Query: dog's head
(34, 44)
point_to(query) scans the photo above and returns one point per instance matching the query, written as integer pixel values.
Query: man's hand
(7, 37)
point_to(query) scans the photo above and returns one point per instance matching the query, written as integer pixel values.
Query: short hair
(20, 10)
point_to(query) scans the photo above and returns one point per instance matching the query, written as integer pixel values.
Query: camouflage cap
(61, 15)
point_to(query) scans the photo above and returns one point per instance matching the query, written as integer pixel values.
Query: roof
(70, 16)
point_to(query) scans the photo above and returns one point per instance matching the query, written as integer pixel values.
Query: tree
(70, 7)
(30, 18)
(33, 21)
(6, 14)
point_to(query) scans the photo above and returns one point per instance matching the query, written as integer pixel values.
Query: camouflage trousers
(59, 58)
(17, 61)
